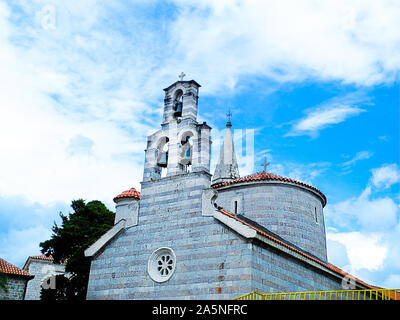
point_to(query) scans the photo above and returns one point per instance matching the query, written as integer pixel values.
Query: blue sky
(317, 83)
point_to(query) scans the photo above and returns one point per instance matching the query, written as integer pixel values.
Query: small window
(315, 214)
(236, 207)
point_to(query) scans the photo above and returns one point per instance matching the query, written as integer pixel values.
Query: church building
(193, 234)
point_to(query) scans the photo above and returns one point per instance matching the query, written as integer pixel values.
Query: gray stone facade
(273, 272)
(291, 211)
(16, 286)
(212, 253)
(42, 270)
(211, 261)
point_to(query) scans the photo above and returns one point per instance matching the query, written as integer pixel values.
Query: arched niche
(187, 133)
(186, 140)
(162, 147)
(177, 104)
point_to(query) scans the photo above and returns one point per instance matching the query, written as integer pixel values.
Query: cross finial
(265, 164)
(229, 115)
(181, 76)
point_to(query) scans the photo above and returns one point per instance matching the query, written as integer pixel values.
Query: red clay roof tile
(131, 193)
(265, 176)
(42, 257)
(9, 268)
(327, 265)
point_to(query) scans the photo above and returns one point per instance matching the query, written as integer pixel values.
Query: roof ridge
(252, 224)
(42, 257)
(262, 176)
(278, 237)
(8, 268)
(131, 193)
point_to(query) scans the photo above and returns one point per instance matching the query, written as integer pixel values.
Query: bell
(163, 161)
(178, 109)
(187, 157)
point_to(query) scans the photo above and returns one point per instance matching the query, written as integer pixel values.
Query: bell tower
(181, 100)
(182, 145)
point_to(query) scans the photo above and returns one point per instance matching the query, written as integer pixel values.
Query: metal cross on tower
(265, 164)
(181, 76)
(229, 115)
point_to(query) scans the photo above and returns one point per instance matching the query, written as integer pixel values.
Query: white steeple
(227, 167)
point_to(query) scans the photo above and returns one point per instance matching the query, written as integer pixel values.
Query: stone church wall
(274, 271)
(41, 270)
(16, 288)
(212, 262)
(292, 212)
(176, 223)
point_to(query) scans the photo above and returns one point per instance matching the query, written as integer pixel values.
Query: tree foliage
(77, 232)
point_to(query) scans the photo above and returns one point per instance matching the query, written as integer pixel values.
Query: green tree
(77, 232)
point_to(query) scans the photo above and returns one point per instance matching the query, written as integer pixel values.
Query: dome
(266, 176)
(131, 193)
(289, 208)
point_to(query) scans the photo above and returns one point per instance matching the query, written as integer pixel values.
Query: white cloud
(385, 176)
(362, 155)
(321, 118)
(364, 250)
(374, 214)
(368, 228)
(372, 256)
(55, 104)
(349, 41)
(328, 113)
(86, 78)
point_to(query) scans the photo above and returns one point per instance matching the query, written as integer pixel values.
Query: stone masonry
(16, 288)
(42, 268)
(289, 210)
(183, 238)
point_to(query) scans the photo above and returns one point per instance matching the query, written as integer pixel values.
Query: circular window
(161, 264)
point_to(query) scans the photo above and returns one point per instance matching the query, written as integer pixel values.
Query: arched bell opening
(178, 104)
(162, 156)
(186, 152)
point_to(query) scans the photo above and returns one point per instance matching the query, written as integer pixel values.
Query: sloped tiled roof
(131, 193)
(267, 176)
(279, 240)
(9, 268)
(42, 257)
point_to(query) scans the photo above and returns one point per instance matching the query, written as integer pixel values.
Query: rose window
(161, 264)
(165, 264)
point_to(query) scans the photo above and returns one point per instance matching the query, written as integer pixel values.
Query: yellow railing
(371, 294)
